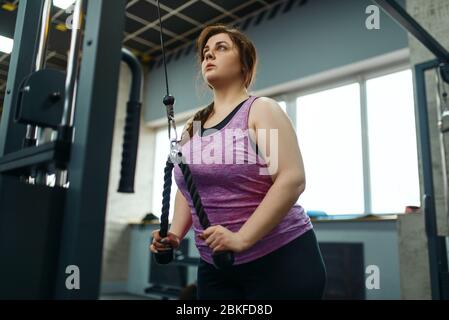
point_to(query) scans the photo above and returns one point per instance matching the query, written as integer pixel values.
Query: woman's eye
(219, 47)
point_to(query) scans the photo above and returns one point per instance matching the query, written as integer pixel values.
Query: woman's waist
(233, 220)
(272, 241)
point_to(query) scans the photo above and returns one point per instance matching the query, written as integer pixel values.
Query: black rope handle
(166, 198)
(191, 186)
(222, 259)
(166, 256)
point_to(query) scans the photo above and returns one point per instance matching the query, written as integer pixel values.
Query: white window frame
(389, 64)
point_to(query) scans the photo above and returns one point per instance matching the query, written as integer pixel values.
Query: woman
(251, 204)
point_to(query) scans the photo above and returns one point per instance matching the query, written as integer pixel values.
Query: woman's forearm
(180, 226)
(182, 218)
(278, 201)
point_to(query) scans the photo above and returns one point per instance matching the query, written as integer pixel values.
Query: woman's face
(221, 52)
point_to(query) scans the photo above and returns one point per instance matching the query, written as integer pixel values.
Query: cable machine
(53, 191)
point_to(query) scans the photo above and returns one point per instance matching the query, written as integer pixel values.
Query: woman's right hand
(161, 244)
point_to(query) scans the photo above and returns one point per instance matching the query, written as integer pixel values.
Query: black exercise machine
(47, 226)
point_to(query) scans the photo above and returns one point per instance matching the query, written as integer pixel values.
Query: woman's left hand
(221, 239)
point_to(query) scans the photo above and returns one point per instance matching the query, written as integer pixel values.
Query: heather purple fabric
(232, 180)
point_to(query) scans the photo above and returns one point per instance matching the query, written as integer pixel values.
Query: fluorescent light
(6, 44)
(63, 4)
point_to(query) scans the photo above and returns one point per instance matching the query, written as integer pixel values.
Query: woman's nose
(208, 55)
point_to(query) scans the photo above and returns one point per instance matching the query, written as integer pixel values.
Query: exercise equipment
(438, 262)
(47, 227)
(222, 259)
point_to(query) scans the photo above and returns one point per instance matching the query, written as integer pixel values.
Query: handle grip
(130, 147)
(165, 256)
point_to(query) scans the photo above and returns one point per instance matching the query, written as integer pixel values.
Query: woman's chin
(212, 80)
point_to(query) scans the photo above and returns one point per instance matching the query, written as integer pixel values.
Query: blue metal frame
(436, 244)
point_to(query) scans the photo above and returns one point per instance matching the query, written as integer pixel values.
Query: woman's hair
(248, 61)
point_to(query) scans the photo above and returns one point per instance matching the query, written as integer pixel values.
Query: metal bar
(34, 156)
(34, 133)
(43, 36)
(365, 148)
(72, 65)
(168, 15)
(178, 12)
(22, 63)
(436, 244)
(146, 42)
(221, 9)
(65, 132)
(85, 207)
(401, 16)
(244, 4)
(71, 83)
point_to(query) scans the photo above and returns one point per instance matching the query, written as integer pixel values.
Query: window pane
(161, 151)
(283, 105)
(329, 136)
(392, 143)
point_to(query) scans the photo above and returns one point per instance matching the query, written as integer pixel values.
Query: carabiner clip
(175, 153)
(172, 129)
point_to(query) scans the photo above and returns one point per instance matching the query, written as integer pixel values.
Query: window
(346, 174)
(329, 135)
(358, 143)
(161, 151)
(392, 143)
(283, 105)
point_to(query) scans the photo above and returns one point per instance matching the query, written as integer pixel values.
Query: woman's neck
(227, 98)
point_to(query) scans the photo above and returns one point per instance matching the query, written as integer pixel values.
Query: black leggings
(294, 271)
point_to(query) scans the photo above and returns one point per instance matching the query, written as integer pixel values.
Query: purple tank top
(232, 180)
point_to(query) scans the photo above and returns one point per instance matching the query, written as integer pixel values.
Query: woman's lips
(210, 66)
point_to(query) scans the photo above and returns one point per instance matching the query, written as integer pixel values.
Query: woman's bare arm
(182, 218)
(285, 166)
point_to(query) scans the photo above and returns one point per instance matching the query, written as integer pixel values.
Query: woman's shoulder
(263, 108)
(264, 104)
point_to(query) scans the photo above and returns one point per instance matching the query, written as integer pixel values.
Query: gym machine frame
(438, 262)
(43, 229)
